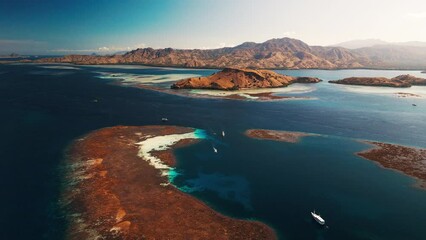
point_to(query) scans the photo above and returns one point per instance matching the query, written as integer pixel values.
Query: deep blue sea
(44, 109)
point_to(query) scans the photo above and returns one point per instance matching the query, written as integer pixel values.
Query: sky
(55, 27)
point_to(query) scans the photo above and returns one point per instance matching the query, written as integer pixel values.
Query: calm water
(44, 109)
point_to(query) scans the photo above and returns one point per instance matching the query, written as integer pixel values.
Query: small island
(238, 78)
(275, 135)
(402, 81)
(408, 160)
(117, 186)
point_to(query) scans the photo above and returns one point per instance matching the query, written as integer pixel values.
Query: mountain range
(283, 53)
(354, 44)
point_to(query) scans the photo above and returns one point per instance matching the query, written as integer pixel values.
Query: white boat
(164, 119)
(214, 149)
(318, 218)
(223, 133)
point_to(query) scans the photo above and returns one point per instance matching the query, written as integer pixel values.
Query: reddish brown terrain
(399, 81)
(236, 79)
(274, 53)
(408, 160)
(282, 136)
(111, 193)
(284, 53)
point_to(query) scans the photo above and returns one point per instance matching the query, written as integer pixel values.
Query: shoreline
(216, 68)
(114, 193)
(410, 161)
(239, 96)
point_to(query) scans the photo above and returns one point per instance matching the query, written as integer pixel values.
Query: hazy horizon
(60, 27)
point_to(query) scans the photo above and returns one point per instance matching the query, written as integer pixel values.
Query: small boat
(214, 150)
(223, 133)
(414, 105)
(164, 119)
(318, 218)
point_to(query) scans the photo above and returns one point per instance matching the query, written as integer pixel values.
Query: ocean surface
(45, 107)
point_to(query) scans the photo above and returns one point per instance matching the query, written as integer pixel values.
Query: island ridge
(237, 79)
(402, 81)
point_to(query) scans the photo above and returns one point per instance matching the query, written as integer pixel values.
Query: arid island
(117, 188)
(402, 81)
(408, 160)
(275, 135)
(235, 79)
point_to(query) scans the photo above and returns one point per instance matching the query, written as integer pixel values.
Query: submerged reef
(275, 135)
(408, 160)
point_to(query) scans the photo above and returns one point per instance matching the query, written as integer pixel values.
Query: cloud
(99, 50)
(140, 45)
(418, 15)
(219, 45)
(289, 34)
(104, 49)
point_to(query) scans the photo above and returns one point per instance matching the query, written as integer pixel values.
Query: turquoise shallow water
(44, 109)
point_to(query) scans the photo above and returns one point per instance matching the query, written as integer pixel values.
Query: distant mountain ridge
(283, 53)
(363, 43)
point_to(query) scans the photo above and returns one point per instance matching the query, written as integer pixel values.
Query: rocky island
(237, 79)
(117, 187)
(408, 160)
(275, 135)
(402, 81)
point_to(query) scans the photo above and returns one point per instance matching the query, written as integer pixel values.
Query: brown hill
(235, 79)
(284, 53)
(399, 81)
(275, 53)
(391, 56)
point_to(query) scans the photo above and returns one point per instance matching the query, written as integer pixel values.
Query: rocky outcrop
(235, 79)
(399, 81)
